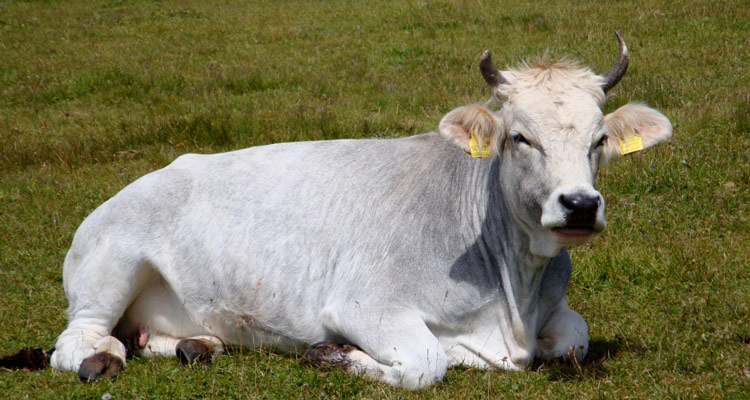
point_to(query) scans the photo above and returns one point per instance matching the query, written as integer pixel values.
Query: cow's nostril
(580, 203)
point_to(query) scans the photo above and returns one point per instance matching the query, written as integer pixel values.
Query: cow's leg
(394, 346)
(482, 344)
(563, 334)
(107, 361)
(481, 349)
(99, 284)
(197, 349)
(86, 347)
(157, 310)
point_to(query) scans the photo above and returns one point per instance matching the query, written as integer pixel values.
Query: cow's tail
(29, 358)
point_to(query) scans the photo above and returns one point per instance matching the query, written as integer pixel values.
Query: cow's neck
(504, 248)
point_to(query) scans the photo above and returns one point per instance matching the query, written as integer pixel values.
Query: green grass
(95, 94)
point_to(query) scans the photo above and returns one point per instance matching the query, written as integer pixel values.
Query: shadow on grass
(592, 366)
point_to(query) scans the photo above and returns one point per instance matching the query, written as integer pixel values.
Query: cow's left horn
(490, 73)
(611, 77)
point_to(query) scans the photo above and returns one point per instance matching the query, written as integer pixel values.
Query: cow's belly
(161, 311)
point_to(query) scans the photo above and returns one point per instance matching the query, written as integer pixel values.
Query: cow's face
(552, 137)
(550, 156)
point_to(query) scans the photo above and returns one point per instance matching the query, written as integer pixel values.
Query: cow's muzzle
(580, 209)
(581, 213)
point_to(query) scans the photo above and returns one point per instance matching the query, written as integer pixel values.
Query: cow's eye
(602, 141)
(518, 138)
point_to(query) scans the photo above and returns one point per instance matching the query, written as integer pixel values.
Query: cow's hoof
(194, 351)
(329, 354)
(100, 365)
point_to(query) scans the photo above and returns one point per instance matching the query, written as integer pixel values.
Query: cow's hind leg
(89, 350)
(102, 364)
(199, 349)
(99, 284)
(394, 346)
(193, 350)
(158, 324)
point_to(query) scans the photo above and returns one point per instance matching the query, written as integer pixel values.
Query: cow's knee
(565, 334)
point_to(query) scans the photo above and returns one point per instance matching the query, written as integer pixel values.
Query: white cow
(394, 259)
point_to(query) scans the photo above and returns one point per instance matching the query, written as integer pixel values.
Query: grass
(96, 94)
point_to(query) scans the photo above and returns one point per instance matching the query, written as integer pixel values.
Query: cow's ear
(633, 127)
(460, 124)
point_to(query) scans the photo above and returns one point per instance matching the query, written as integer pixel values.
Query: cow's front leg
(564, 333)
(394, 346)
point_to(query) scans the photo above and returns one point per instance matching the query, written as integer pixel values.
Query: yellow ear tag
(478, 150)
(631, 144)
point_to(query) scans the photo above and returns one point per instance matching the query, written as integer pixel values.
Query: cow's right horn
(490, 73)
(611, 77)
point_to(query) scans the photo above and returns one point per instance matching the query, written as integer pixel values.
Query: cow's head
(552, 136)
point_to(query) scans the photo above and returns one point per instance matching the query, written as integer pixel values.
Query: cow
(392, 259)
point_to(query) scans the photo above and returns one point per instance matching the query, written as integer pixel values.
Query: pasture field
(95, 94)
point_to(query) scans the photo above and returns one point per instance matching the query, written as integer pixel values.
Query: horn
(490, 73)
(615, 73)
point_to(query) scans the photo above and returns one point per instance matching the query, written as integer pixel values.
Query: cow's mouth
(574, 232)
